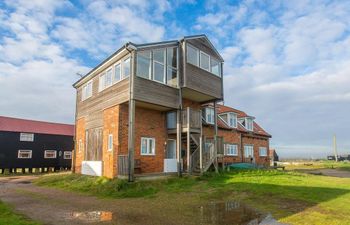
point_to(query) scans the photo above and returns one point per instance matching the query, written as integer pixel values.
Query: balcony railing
(191, 118)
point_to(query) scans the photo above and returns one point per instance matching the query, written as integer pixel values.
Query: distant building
(34, 144)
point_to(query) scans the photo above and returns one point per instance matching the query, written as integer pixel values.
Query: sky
(286, 62)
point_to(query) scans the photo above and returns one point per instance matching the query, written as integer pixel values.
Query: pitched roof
(257, 129)
(32, 126)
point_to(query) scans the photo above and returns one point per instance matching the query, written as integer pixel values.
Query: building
(153, 108)
(28, 144)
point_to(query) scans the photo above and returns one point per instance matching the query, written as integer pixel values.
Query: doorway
(170, 162)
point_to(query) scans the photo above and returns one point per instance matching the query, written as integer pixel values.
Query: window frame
(200, 61)
(263, 148)
(198, 55)
(148, 139)
(229, 115)
(150, 69)
(46, 151)
(84, 89)
(110, 143)
(122, 67)
(164, 64)
(23, 136)
(227, 152)
(252, 148)
(206, 115)
(65, 154)
(30, 154)
(252, 123)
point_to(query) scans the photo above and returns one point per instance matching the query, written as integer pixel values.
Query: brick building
(153, 108)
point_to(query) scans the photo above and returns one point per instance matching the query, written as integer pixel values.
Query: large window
(117, 73)
(231, 149)
(148, 146)
(262, 151)
(159, 65)
(50, 154)
(249, 151)
(192, 55)
(87, 91)
(105, 80)
(144, 64)
(209, 115)
(67, 155)
(232, 120)
(110, 142)
(26, 137)
(203, 60)
(24, 154)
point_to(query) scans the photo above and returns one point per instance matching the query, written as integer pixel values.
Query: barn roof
(33, 126)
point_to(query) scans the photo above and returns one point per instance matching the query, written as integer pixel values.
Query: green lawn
(7, 216)
(291, 197)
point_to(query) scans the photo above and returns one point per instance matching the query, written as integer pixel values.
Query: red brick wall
(257, 142)
(110, 126)
(148, 123)
(80, 135)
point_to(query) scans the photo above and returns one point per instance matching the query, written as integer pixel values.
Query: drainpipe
(216, 137)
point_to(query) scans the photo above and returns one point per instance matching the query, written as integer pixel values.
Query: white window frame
(85, 94)
(252, 123)
(219, 65)
(122, 66)
(252, 148)
(263, 148)
(148, 140)
(229, 116)
(200, 61)
(67, 153)
(22, 151)
(227, 146)
(110, 142)
(29, 137)
(161, 63)
(50, 151)
(114, 81)
(207, 109)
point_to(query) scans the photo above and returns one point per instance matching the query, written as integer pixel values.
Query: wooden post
(216, 138)
(201, 145)
(131, 130)
(178, 141)
(188, 142)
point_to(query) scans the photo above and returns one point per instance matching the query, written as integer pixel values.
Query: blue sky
(286, 62)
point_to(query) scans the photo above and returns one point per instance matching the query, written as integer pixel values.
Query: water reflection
(92, 216)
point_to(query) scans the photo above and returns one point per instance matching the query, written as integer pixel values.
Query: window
(147, 146)
(110, 142)
(162, 67)
(158, 65)
(80, 145)
(232, 120)
(126, 68)
(262, 151)
(50, 154)
(171, 120)
(117, 73)
(249, 124)
(248, 151)
(209, 115)
(87, 91)
(204, 61)
(67, 155)
(26, 137)
(231, 149)
(215, 67)
(192, 55)
(144, 64)
(24, 154)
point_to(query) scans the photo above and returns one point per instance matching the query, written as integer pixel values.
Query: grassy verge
(8, 217)
(291, 197)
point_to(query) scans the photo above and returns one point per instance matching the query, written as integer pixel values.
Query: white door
(170, 163)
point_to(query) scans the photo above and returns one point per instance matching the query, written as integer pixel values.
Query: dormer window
(209, 115)
(232, 120)
(249, 123)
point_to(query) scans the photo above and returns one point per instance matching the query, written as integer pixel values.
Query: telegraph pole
(335, 148)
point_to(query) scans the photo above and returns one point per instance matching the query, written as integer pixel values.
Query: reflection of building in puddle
(92, 216)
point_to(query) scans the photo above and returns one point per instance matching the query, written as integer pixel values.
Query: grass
(291, 197)
(7, 216)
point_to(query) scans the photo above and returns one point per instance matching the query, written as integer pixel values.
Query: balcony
(191, 119)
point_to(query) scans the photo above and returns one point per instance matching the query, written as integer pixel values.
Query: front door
(170, 162)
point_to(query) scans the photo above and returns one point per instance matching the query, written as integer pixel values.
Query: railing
(123, 162)
(194, 117)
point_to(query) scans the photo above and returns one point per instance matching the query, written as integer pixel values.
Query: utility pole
(335, 148)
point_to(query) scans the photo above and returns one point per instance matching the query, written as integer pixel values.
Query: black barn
(35, 144)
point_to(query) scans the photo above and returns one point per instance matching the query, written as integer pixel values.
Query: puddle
(232, 212)
(92, 216)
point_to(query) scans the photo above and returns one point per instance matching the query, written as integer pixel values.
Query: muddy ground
(53, 206)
